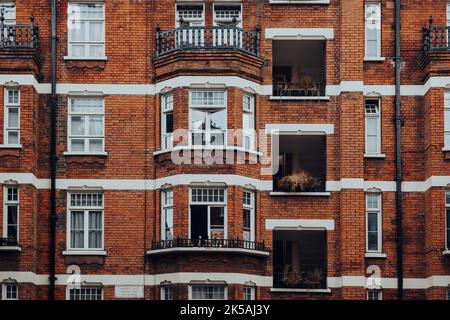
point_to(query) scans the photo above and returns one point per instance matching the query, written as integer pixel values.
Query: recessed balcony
(208, 50)
(180, 245)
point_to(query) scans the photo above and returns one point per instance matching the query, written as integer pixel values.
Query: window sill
(375, 156)
(300, 290)
(376, 255)
(446, 149)
(301, 194)
(374, 59)
(300, 98)
(67, 58)
(446, 252)
(98, 154)
(11, 248)
(208, 250)
(84, 253)
(10, 146)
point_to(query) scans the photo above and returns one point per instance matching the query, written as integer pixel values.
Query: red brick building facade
(141, 210)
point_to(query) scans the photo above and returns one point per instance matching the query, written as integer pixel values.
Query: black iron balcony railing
(289, 89)
(8, 242)
(208, 243)
(435, 38)
(197, 38)
(18, 36)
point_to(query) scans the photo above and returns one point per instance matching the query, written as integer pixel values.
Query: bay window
(373, 29)
(167, 215)
(374, 223)
(85, 221)
(12, 117)
(373, 127)
(248, 122)
(208, 118)
(167, 122)
(86, 125)
(86, 30)
(11, 214)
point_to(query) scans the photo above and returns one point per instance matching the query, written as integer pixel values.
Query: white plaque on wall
(129, 292)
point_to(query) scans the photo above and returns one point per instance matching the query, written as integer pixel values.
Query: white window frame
(248, 108)
(9, 21)
(4, 291)
(378, 211)
(209, 205)
(252, 290)
(250, 207)
(447, 222)
(86, 43)
(163, 292)
(198, 22)
(166, 207)
(86, 136)
(86, 210)
(448, 13)
(6, 204)
(377, 24)
(377, 117)
(7, 108)
(380, 294)
(217, 20)
(68, 289)
(446, 123)
(224, 286)
(208, 108)
(166, 108)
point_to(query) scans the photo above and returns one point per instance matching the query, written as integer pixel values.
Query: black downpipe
(398, 135)
(53, 159)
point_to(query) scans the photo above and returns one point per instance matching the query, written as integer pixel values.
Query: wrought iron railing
(216, 37)
(289, 89)
(18, 36)
(435, 38)
(208, 243)
(8, 242)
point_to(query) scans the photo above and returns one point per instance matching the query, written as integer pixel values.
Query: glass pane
(77, 125)
(372, 126)
(372, 144)
(96, 51)
(95, 145)
(96, 125)
(372, 49)
(13, 117)
(77, 229)
(372, 221)
(77, 145)
(77, 31)
(218, 120)
(13, 137)
(217, 219)
(447, 120)
(169, 122)
(95, 31)
(95, 229)
(217, 139)
(77, 50)
(198, 120)
(373, 241)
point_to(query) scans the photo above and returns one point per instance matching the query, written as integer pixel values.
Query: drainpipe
(399, 175)
(53, 158)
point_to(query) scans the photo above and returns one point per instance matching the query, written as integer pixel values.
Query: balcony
(19, 47)
(180, 245)
(436, 50)
(207, 50)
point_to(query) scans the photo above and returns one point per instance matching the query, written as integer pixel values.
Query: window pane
(447, 120)
(218, 120)
(78, 50)
(95, 229)
(198, 120)
(77, 229)
(13, 117)
(95, 145)
(77, 31)
(96, 125)
(13, 137)
(96, 31)
(77, 145)
(217, 220)
(169, 122)
(96, 51)
(77, 125)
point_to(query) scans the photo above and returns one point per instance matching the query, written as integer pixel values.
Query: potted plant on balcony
(301, 180)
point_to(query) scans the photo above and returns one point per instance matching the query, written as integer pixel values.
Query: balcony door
(190, 23)
(227, 31)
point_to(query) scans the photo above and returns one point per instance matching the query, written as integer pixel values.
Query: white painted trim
(229, 278)
(374, 156)
(272, 224)
(375, 255)
(228, 81)
(84, 253)
(300, 194)
(299, 33)
(299, 98)
(10, 248)
(300, 2)
(272, 128)
(300, 290)
(233, 180)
